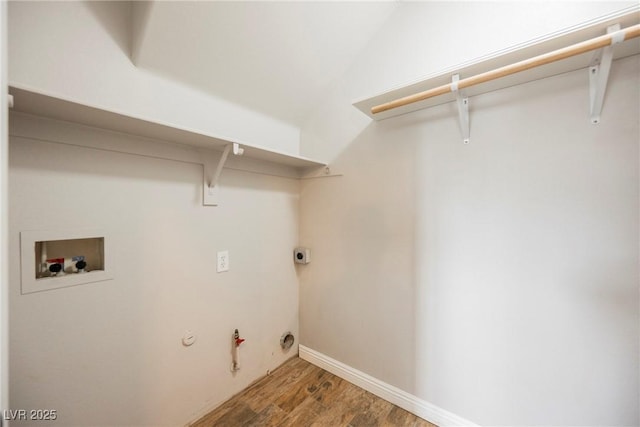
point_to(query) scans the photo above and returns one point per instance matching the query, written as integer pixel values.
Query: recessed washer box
(82, 256)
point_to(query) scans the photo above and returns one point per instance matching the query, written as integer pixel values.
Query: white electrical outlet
(223, 261)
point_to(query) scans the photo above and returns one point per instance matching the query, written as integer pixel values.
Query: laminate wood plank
(399, 417)
(240, 415)
(271, 416)
(301, 394)
(366, 419)
(339, 415)
(304, 388)
(226, 415)
(423, 423)
(351, 402)
(303, 414)
(331, 390)
(265, 392)
(213, 416)
(287, 371)
(260, 392)
(375, 414)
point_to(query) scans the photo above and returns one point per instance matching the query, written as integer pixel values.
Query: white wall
(499, 280)
(110, 353)
(4, 209)
(81, 52)
(274, 57)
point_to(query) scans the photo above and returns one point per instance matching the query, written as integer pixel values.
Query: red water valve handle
(239, 341)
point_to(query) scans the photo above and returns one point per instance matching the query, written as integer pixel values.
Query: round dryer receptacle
(286, 340)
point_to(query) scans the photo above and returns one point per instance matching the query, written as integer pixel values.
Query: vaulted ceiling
(277, 58)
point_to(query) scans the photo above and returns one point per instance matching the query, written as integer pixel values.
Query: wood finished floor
(301, 394)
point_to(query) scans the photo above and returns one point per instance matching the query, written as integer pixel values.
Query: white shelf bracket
(463, 108)
(211, 175)
(599, 75)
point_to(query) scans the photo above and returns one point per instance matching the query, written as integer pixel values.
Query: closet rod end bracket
(463, 109)
(599, 75)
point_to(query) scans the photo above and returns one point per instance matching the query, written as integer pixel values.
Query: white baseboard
(407, 401)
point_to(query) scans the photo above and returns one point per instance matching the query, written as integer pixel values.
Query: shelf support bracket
(599, 75)
(463, 108)
(212, 175)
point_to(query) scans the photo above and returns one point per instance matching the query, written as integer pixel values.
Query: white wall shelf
(588, 30)
(36, 103)
(210, 151)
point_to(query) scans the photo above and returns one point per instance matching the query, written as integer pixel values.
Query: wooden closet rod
(556, 55)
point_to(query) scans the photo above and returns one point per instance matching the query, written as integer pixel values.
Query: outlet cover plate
(223, 261)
